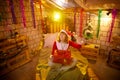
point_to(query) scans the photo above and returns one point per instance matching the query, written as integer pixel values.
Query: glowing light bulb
(56, 16)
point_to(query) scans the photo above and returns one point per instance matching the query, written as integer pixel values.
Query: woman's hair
(66, 38)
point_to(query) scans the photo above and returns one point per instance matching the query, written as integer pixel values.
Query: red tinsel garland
(23, 13)
(41, 18)
(81, 21)
(33, 14)
(114, 13)
(12, 11)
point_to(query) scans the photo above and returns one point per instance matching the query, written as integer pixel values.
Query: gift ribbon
(12, 11)
(33, 14)
(99, 20)
(23, 13)
(81, 21)
(114, 13)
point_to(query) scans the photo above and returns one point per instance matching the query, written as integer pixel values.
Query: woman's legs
(67, 67)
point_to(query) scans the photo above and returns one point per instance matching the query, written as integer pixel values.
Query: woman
(61, 54)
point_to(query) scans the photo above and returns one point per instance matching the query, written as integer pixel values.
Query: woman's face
(62, 36)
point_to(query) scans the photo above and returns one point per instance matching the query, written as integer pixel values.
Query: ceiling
(85, 4)
(60, 4)
(88, 5)
(98, 4)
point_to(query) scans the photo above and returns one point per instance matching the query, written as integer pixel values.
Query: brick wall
(6, 23)
(7, 27)
(105, 25)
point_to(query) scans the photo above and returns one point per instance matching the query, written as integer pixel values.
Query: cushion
(49, 39)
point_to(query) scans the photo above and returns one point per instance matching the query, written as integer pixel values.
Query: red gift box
(62, 57)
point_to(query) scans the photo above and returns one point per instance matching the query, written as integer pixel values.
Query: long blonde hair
(66, 38)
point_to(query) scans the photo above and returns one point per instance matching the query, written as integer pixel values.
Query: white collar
(62, 46)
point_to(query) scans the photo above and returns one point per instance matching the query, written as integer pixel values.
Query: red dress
(63, 56)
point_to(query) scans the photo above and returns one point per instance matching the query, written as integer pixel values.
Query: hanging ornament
(23, 13)
(33, 14)
(12, 11)
(81, 21)
(114, 13)
(99, 21)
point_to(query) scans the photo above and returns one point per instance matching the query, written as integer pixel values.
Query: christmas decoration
(33, 14)
(23, 13)
(99, 21)
(81, 21)
(114, 13)
(12, 11)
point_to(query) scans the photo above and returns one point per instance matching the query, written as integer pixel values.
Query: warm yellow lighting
(56, 16)
(106, 19)
(64, 1)
(60, 3)
(37, 5)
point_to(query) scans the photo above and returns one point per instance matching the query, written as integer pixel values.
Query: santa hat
(64, 32)
(69, 33)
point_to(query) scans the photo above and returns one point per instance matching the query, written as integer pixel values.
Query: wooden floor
(27, 71)
(103, 71)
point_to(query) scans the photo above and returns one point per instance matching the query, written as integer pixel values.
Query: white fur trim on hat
(64, 32)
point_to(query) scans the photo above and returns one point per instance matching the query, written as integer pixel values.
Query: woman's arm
(75, 45)
(54, 48)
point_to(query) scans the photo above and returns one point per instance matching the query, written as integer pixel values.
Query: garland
(12, 11)
(41, 17)
(99, 20)
(32, 11)
(81, 21)
(114, 13)
(23, 13)
(74, 17)
(0, 17)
